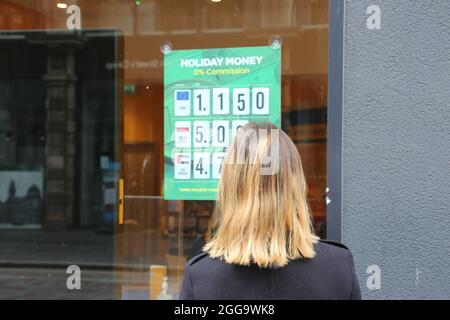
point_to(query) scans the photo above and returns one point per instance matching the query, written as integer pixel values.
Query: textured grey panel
(396, 146)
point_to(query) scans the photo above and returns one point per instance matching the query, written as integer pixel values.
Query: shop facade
(82, 145)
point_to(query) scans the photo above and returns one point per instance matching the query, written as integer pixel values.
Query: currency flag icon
(182, 95)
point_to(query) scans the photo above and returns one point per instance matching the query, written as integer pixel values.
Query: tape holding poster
(208, 95)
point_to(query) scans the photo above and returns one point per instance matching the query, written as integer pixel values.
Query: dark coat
(329, 275)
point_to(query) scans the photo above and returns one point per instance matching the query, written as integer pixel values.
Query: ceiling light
(61, 5)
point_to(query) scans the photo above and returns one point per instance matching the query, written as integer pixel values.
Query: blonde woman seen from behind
(260, 243)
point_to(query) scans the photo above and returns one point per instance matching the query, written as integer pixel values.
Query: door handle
(120, 201)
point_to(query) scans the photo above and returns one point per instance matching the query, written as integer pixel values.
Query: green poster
(208, 95)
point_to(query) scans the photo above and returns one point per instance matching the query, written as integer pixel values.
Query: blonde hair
(261, 219)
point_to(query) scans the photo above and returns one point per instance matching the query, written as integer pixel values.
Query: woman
(260, 243)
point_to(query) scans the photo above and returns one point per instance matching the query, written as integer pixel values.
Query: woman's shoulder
(332, 253)
(202, 264)
(202, 267)
(326, 250)
(199, 257)
(332, 246)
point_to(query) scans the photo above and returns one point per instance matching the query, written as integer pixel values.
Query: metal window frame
(334, 118)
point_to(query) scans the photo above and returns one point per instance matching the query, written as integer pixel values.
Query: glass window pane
(80, 109)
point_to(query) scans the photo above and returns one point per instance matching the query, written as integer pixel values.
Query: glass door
(60, 145)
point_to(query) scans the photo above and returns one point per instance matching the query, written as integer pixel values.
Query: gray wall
(396, 146)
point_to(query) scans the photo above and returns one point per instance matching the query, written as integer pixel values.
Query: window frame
(335, 119)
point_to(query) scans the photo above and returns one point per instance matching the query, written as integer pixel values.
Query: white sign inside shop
(135, 64)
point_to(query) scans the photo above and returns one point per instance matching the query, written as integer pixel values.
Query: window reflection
(59, 162)
(80, 109)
